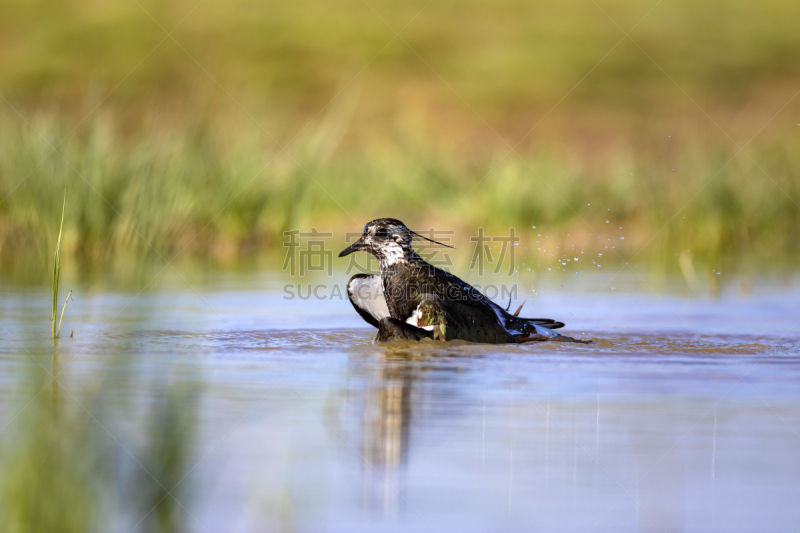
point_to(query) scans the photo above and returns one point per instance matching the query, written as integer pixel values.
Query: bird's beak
(355, 247)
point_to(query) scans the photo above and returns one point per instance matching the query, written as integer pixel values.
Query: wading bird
(414, 300)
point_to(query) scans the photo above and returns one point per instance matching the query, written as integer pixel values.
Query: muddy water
(684, 415)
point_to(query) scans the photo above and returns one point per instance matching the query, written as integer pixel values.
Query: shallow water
(683, 415)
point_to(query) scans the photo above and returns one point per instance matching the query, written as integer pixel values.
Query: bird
(414, 300)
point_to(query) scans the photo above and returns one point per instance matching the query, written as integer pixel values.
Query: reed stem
(56, 269)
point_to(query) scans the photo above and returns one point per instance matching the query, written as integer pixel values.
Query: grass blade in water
(61, 319)
(56, 267)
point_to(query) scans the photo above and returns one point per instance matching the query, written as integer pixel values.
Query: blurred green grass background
(172, 146)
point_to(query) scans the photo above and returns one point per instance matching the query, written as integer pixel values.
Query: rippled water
(684, 415)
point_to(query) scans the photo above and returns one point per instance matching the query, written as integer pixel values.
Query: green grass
(56, 272)
(161, 194)
(170, 166)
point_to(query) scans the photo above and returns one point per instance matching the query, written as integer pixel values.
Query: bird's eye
(381, 233)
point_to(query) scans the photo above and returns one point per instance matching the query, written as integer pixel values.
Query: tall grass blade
(56, 268)
(61, 319)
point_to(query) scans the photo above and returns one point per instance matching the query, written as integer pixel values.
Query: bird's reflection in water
(386, 420)
(397, 388)
(387, 411)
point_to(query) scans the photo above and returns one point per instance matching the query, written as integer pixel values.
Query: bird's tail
(535, 329)
(548, 323)
(517, 322)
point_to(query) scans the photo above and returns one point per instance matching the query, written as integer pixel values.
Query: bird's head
(388, 239)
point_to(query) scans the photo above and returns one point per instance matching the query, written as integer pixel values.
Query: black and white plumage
(412, 299)
(366, 294)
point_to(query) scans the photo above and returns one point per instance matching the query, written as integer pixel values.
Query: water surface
(683, 415)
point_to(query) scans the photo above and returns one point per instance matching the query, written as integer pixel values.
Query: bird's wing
(453, 319)
(455, 289)
(366, 294)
